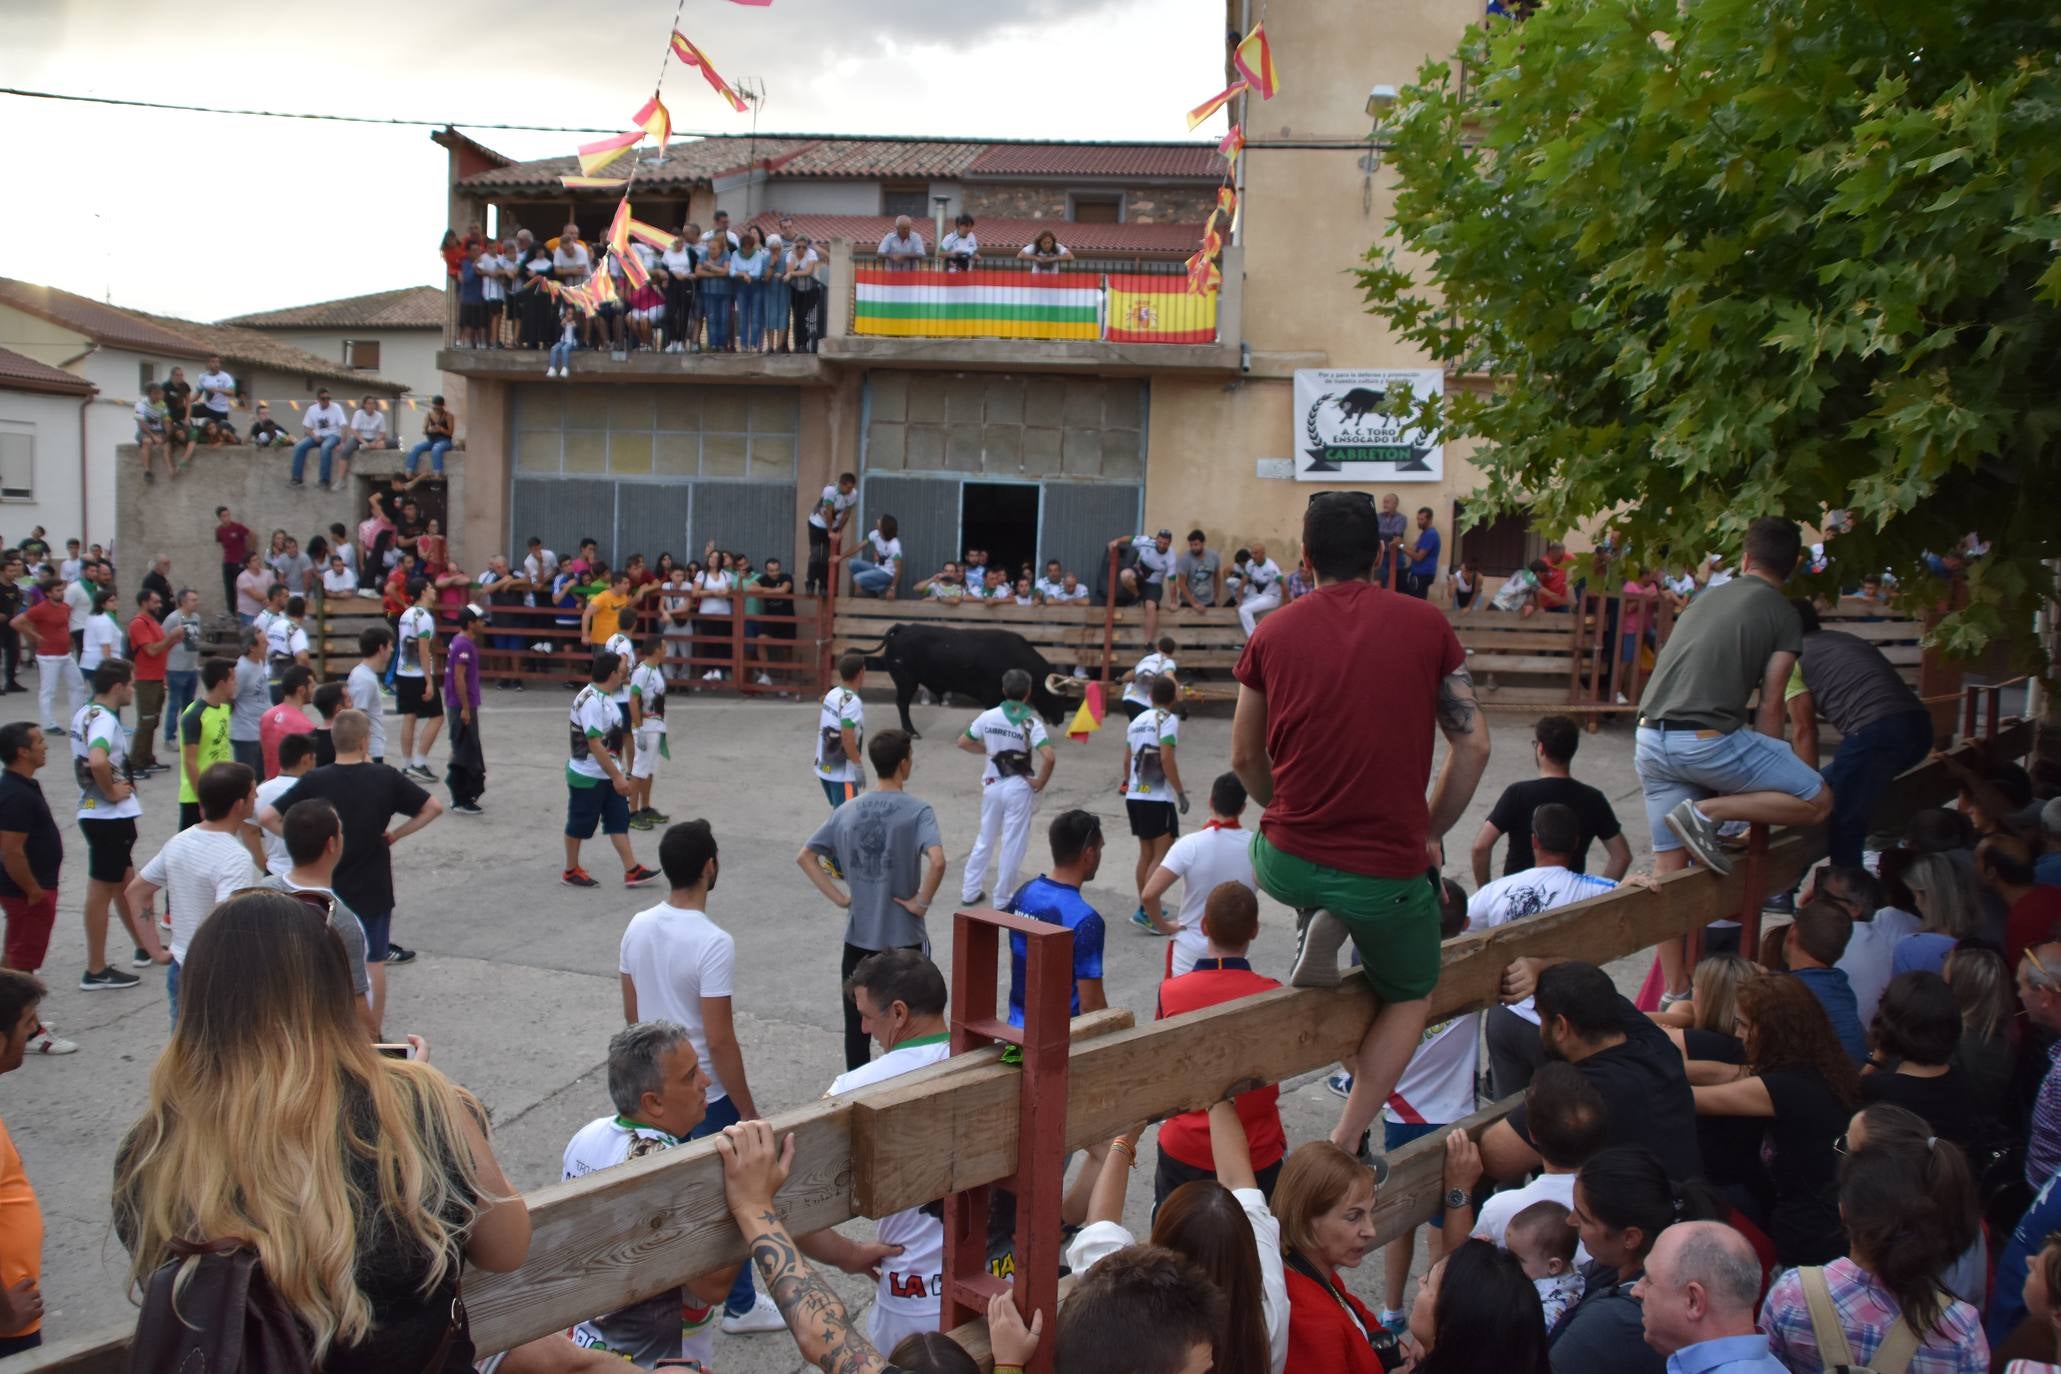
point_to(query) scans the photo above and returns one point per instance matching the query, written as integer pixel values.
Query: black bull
(969, 663)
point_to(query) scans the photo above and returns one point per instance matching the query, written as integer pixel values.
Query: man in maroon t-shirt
(235, 542)
(2004, 863)
(1338, 694)
(148, 646)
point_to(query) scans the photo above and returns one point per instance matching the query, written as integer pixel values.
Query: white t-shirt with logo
(1527, 894)
(649, 685)
(217, 391)
(368, 425)
(841, 708)
(322, 421)
(285, 639)
(1261, 578)
(885, 551)
(594, 716)
(1001, 730)
(1064, 597)
(667, 1322)
(619, 644)
(1139, 687)
(278, 862)
(1437, 1085)
(95, 725)
(837, 503)
(911, 1282)
(1153, 566)
(417, 624)
(1156, 728)
(1215, 854)
(674, 957)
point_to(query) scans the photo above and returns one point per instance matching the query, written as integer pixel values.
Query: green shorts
(1393, 921)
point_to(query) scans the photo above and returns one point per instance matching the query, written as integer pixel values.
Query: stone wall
(1142, 204)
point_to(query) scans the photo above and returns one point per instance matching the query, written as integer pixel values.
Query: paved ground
(516, 987)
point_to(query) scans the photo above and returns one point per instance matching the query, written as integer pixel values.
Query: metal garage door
(926, 508)
(1080, 518)
(752, 518)
(561, 513)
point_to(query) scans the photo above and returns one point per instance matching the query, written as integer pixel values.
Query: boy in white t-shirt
(648, 727)
(1220, 852)
(1137, 698)
(841, 734)
(1151, 783)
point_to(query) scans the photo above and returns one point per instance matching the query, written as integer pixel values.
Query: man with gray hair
(656, 1083)
(904, 247)
(2047, 868)
(1019, 757)
(1697, 1295)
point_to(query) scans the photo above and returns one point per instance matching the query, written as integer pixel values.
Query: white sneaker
(550, 372)
(46, 1043)
(764, 679)
(763, 1317)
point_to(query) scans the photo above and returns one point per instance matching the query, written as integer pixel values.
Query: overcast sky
(206, 216)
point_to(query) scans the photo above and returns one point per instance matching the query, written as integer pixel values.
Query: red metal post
(1108, 627)
(1756, 893)
(1574, 661)
(1039, 1181)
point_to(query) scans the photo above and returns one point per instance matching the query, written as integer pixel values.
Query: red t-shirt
(52, 620)
(2033, 920)
(143, 631)
(1555, 580)
(1351, 673)
(235, 542)
(1186, 1137)
(275, 725)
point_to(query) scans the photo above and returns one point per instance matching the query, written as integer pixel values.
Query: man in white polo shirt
(323, 427)
(368, 430)
(1220, 852)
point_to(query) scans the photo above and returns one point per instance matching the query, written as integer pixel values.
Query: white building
(390, 334)
(42, 468)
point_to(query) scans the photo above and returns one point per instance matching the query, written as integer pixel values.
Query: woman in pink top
(1635, 620)
(369, 530)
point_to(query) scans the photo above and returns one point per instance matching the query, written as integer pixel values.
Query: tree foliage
(1725, 258)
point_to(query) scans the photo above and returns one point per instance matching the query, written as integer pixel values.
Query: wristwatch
(1456, 1198)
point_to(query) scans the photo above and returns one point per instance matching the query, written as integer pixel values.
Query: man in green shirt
(204, 734)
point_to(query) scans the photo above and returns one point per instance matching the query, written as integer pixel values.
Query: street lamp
(1379, 101)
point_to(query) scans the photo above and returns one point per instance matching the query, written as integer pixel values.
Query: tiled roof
(692, 161)
(256, 348)
(26, 374)
(104, 324)
(1115, 161)
(411, 307)
(866, 231)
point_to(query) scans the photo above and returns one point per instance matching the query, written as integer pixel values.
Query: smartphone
(400, 1051)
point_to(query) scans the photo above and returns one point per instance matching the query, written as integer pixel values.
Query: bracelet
(1130, 1151)
(1008, 1369)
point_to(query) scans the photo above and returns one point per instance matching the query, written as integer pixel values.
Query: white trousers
(51, 670)
(1005, 817)
(1255, 606)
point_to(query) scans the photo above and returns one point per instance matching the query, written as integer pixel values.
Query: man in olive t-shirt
(1701, 759)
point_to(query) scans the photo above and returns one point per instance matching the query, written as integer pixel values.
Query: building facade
(392, 336)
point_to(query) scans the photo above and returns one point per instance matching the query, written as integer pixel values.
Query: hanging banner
(1342, 436)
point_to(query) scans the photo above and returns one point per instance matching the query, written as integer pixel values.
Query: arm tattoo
(1457, 708)
(815, 1314)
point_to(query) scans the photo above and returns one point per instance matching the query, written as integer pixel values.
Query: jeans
(1675, 766)
(435, 448)
(870, 578)
(723, 1112)
(300, 455)
(560, 356)
(750, 296)
(172, 992)
(1860, 772)
(250, 753)
(180, 687)
(715, 307)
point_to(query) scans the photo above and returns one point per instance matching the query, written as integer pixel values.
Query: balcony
(1107, 316)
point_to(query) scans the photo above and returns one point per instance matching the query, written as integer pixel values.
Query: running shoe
(416, 770)
(641, 821)
(141, 958)
(107, 979)
(395, 954)
(47, 1043)
(1341, 1084)
(1699, 834)
(639, 876)
(1143, 922)
(762, 1316)
(468, 808)
(577, 877)
(656, 816)
(1319, 936)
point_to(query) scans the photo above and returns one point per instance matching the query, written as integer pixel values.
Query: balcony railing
(1113, 300)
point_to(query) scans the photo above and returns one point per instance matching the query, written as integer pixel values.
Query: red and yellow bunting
(1230, 146)
(598, 154)
(694, 57)
(1215, 103)
(653, 119)
(1254, 60)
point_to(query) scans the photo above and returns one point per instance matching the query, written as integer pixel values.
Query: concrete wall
(178, 518)
(51, 424)
(807, 196)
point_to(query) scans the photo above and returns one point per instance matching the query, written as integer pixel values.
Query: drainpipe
(91, 349)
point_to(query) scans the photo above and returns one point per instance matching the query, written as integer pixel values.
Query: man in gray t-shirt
(253, 697)
(182, 661)
(886, 845)
(1198, 574)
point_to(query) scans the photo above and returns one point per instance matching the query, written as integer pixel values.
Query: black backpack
(225, 1319)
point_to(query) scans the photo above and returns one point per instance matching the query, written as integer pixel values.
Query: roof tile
(107, 324)
(410, 307)
(1122, 161)
(18, 373)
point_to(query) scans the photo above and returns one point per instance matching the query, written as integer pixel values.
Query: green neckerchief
(1016, 712)
(940, 1038)
(629, 1125)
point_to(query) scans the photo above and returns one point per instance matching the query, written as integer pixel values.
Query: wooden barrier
(623, 1234)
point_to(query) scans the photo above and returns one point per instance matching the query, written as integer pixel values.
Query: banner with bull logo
(1341, 434)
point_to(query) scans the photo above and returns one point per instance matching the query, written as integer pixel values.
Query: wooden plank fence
(614, 1237)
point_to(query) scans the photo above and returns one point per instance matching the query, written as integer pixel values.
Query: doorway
(1002, 518)
(1499, 547)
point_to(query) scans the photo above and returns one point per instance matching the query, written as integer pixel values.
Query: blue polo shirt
(1427, 566)
(1041, 899)
(1835, 995)
(1726, 1355)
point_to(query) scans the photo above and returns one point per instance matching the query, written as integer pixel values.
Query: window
(1096, 208)
(361, 354)
(17, 467)
(146, 373)
(911, 198)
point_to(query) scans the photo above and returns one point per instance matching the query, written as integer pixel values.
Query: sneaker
(468, 808)
(656, 816)
(576, 877)
(416, 770)
(293, 481)
(1673, 999)
(141, 958)
(1143, 922)
(1319, 936)
(1341, 1084)
(1699, 834)
(639, 876)
(762, 1316)
(1395, 1323)
(47, 1043)
(1376, 1164)
(397, 955)
(640, 821)
(1781, 904)
(109, 977)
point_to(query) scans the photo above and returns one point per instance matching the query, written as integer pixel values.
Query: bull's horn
(1065, 685)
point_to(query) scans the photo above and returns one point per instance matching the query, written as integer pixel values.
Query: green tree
(1724, 258)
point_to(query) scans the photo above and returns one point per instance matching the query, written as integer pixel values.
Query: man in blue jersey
(1076, 838)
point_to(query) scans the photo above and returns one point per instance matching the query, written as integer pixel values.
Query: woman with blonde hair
(1986, 997)
(1324, 1201)
(1951, 906)
(362, 1182)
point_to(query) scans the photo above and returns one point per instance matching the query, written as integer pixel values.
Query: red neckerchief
(1222, 825)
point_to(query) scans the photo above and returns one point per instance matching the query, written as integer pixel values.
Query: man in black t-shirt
(773, 589)
(1553, 743)
(1584, 1020)
(367, 796)
(178, 402)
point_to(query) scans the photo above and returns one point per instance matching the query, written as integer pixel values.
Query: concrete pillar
(482, 529)
(839, 323)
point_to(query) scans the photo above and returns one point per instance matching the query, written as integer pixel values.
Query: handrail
(624, 1234)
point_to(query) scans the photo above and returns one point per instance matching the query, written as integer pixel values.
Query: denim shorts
(1396, 1134)
(1683, 765)
(600, 805)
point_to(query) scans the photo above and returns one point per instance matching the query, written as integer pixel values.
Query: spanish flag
(694, 57)
(1254, 60)
(598, 154)
(1215, 103)
(592, 183)
(1232, 144)
(1159, 309)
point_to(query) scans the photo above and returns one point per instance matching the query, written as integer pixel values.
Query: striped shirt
(2043, 1145)
(1867, 1312)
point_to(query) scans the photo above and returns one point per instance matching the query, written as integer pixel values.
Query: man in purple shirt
(467, 771)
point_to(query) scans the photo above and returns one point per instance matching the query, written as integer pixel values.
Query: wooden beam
(621, 1235)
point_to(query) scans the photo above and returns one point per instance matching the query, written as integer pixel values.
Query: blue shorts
(1688, 765)
(1396, 1134)
(838, 793)
(584, 808)
(378, 929)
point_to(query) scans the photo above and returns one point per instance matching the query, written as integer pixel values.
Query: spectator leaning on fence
(904, 247)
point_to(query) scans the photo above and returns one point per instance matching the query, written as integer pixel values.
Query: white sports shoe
(46, 1043)
(764, 1316)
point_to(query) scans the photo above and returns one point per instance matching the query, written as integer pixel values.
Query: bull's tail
(878, 646)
